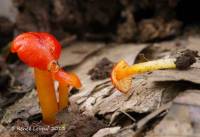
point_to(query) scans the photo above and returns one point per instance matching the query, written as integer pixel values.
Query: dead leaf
(22, 79)
(125, 133)
(193, 43)
(138, 128)
(183, 118)
(164, 49)
(106, 131)
(24, 108)
(191, 75)
(77, 52)
(189, 97)
(13, 84)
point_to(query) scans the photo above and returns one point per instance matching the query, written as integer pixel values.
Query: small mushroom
(122, 73)
(41, 51)
(65, 80)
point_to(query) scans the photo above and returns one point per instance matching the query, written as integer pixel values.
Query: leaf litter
(13, 84)
(183, 117)
(147, 98)
(76, 52)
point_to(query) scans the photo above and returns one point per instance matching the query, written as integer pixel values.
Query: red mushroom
(41, 51)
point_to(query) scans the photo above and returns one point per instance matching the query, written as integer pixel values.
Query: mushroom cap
(124, 84)
(68, 78)
(36, 49)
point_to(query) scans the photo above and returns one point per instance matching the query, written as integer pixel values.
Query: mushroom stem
(46, 94)
(63, 95)
(146, 67)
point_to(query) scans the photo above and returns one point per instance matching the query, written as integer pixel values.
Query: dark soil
(186, 59)
(73, 124)
(101, 70)
(82, 127)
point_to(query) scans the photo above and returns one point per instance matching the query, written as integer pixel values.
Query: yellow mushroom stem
(146, 67)
(63, 95)
(46, 95)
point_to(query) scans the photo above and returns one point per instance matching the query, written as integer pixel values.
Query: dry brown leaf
(24, 108)
(191, 75)
(189, 97)
(106, 131)
(164, 49)
(23, 79)
(125, 133)
(183, 118)
(193, 43)
(77, 52)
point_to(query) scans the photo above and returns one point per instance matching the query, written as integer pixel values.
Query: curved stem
(46, 95)
(63, 95)
(146, 67)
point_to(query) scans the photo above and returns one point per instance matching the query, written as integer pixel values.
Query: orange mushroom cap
(70, 78)
(36, 49)
(124, 84)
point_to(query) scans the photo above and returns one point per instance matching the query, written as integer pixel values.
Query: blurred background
(100, 20)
